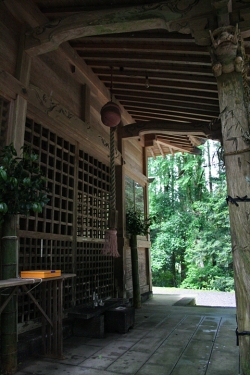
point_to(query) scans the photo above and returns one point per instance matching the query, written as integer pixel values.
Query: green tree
(191, 241)
(22, 185)
(22, 190)
(209, 258)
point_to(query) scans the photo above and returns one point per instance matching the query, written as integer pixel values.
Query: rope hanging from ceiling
(111, 117)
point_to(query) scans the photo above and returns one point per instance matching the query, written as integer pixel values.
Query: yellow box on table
(40, 274)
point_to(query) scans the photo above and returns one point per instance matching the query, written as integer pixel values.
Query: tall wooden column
(17, 128)
(9, 230)
(234, 109)
(120, 262)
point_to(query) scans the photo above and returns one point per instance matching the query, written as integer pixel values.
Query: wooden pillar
(8, 316)
(120, 263)
(234, 104)
(135, 272)
(17, 128)
(147, 214)
(9, 232)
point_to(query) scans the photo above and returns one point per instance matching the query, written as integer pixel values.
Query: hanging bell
(111, 114)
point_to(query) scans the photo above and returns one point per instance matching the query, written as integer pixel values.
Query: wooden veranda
(178, 70)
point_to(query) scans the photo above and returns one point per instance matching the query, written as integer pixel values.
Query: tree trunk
(209, 162)
(8, 316)
(173, 269)
(235, 129)
(135, 272)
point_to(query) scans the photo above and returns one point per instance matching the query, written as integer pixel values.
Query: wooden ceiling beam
(132, 66)
(170, 99)
(138, 45)
(123, 56)
(168, 116)
(49, 36)
(193, 150)
(180, 68)
(152, 152)
(171, 76)
(27, 12)
(178, 144)
(196, 141)
(237, 15)
(169, 105)
(168, 82)
(180, 137)
(165, 117)
(139, 118)
(177, 139)
(160, 149)
(153, 83)
(172, 91)
(195, 128)
(172, 151)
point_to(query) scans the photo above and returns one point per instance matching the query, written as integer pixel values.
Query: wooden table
(52, 313)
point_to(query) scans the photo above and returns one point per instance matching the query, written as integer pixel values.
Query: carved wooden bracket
(169, 15)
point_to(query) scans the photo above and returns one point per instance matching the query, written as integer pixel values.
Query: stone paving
(167, 339)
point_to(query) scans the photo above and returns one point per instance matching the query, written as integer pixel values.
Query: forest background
(191, 244)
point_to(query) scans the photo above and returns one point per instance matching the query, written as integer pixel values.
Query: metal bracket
(237, 199)
(243, 333)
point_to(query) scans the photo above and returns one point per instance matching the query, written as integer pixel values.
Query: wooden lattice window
(56, 254)
(72, 225)
(54, 226)
(57, 161)
(94, 272)
(93, 197)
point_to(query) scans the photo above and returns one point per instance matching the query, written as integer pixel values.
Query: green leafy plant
(22, 185)
(136, 223)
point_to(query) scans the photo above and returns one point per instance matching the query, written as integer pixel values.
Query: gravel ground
(203, 297)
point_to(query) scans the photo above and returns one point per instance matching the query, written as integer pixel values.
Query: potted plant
(136, 224)
(22, 190)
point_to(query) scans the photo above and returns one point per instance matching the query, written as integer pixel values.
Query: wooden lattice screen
(72, 225)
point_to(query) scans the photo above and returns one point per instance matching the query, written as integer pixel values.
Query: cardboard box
(40, 274)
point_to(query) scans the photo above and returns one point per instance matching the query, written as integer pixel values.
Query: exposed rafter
(159, 54)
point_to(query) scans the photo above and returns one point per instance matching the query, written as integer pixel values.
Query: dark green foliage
(191, 244)
(22, 185)
(136, 224)
(22, 190)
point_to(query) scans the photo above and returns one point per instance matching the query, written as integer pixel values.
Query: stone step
(186, 301)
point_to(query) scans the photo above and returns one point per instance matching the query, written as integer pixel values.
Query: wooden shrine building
(178, 71)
